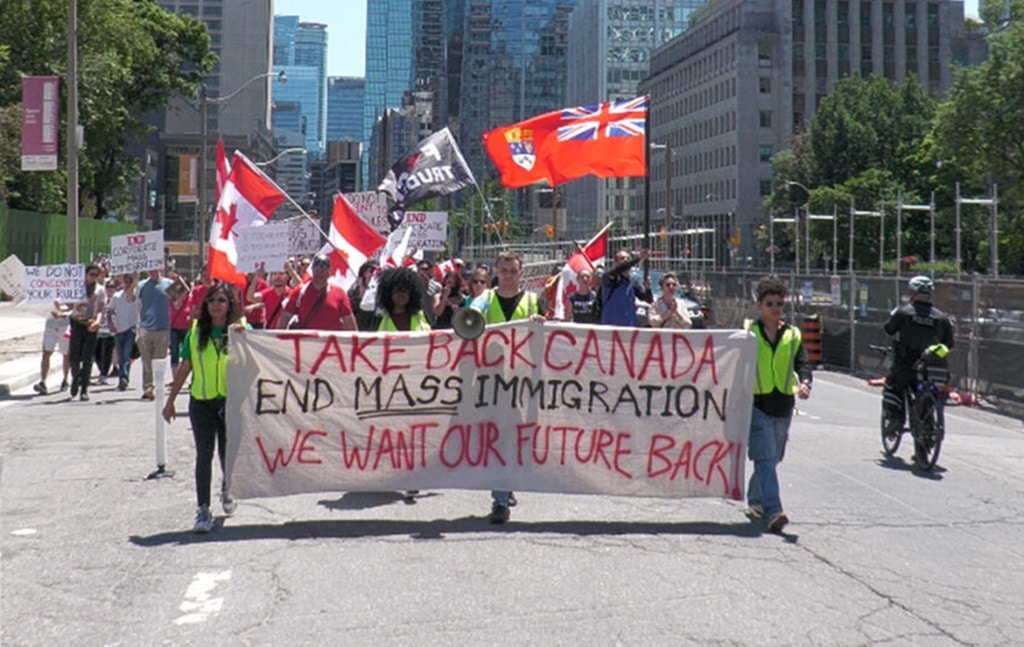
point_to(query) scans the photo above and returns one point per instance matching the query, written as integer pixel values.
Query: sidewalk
(21, 344)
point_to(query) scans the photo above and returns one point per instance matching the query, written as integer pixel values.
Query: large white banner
(526, 406)
(137, 252)
(429, 229)
(262, 248)
(49, 283)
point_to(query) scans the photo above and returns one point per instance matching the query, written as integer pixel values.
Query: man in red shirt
(317, 304)
(255, 315)
(271, 299)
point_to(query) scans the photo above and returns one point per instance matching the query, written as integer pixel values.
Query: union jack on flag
(620, 118)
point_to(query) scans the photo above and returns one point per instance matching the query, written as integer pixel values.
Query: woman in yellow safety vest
(783, 373)
(398, 298)
(204, 354)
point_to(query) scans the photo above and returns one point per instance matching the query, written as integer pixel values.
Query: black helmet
(921, 285)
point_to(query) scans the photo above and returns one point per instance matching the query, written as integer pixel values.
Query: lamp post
(72, 134)
(204, 103)
(287, 151)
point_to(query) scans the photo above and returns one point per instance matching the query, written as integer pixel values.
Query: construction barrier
(812, 337)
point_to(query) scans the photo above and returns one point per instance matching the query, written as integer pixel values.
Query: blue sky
(346, 29)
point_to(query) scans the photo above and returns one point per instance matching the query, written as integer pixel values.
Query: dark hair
(205, 322)
(770, 285)
(91, 289)
(458, 279)
(399, 279)
(368, 265)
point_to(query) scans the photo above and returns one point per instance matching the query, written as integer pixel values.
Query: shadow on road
(897, 463)
(439, 528)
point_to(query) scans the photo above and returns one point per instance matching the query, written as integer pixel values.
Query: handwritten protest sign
(526, 406)
(12, 277)
(372, 207)
(429, 229)
(263, 247)
(49, 283)
(137, 252)
(304, 237)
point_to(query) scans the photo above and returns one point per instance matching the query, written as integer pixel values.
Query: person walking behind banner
(398, 298)
(181, 321)
(586, 309)
(271, 299)
(317, 304)
(668, 310)
(124, 318)
(618, 294)
(509, 302)
(85, 318)
(479, 282)
(365, 319)
(782, 373)
(154, 326)
(204, 355)
(53, 338)
(448, 301)
(104, 336)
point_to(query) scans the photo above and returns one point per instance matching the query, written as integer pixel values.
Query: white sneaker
(204, 519)
(228, 503)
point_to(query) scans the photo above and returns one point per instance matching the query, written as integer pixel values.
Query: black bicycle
(924, 401)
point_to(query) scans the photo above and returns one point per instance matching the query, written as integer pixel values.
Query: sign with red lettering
(138, 252)
(525, 407)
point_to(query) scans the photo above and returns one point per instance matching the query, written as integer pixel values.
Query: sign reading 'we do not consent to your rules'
(526, 406)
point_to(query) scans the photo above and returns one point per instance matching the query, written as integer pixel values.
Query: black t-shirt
(585, 308)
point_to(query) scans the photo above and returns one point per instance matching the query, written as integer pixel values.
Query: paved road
(96, 554)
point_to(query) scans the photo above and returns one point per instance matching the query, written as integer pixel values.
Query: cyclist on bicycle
(914, 328)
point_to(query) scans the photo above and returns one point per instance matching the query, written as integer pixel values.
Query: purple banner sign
(39, 97)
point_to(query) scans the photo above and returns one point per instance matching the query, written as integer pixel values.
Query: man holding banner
(509, 302)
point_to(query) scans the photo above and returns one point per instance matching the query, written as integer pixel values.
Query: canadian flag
(394, 254)
(583, 258)
(223, 168)
(350, 242)
(248, 199)
(441, 270)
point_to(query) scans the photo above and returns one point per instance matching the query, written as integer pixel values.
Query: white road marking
(198, 604)
(23, 532)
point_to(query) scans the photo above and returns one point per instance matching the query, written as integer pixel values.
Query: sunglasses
(217, 300)
(774, 304)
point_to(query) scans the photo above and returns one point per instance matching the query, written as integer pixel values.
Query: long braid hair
(205, 322)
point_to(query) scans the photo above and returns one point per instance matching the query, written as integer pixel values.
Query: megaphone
(468, 322)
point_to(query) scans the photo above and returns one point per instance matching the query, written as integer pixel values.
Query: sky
(346, 29)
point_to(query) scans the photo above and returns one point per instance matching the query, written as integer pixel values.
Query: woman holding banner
(205, 347)
(85, 323)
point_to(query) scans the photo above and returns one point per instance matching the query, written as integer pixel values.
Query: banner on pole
(264, 247)
(429, 229)
(372, 207)
(45, 284)
(138, 252)
(40, 99)
(526, 406)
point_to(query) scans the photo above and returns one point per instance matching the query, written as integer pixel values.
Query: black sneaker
(778, 521)
(499, 513)
(122, 384)
(74, 389)
(64, 385)
(39, 388)
(84, 397)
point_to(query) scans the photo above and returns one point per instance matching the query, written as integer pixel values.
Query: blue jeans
(767, 446)
(123, 343)
(500, 497)
(177, 337)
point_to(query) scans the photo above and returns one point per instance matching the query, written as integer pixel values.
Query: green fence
(41, 238)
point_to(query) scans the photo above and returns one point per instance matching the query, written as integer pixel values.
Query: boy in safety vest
(782, 373)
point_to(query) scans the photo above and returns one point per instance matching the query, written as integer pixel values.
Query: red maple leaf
(342, 260)
(228, 222)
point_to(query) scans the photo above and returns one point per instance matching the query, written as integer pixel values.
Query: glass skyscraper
(389, 64)
(300, 50)
(345, 96)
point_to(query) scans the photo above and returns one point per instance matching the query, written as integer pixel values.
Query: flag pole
(647, 185)
(487, 210)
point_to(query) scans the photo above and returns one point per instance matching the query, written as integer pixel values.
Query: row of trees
(872, 141)
(133, 58)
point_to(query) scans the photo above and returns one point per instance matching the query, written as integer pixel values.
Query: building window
(764, 152)
(765, 118)
(764, 84)
(766, 188)
(764, 54)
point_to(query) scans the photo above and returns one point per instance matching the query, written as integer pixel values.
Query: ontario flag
(584, 258)
(606, 140)
(249, 199)
(350, 242)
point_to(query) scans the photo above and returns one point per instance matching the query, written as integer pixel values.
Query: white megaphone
(468, 322)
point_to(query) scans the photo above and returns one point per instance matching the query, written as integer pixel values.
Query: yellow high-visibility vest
(775, 367)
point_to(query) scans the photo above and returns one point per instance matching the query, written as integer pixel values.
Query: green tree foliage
(133, 57)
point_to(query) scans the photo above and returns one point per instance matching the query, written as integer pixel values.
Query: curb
(18, 374)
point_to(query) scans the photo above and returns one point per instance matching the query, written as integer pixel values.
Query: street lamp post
(287, 151)
(204, 103)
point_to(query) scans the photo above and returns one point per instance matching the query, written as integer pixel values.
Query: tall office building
(345, 97)
(730, 92)
(609, 53)
(300, 50)
(240, 35)
(389, 67)
(513, 67)
(304, 90)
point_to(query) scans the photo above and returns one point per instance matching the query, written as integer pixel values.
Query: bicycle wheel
(928, 439)
(892, 433)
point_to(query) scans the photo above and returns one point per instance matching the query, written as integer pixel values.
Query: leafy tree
(133, 58)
